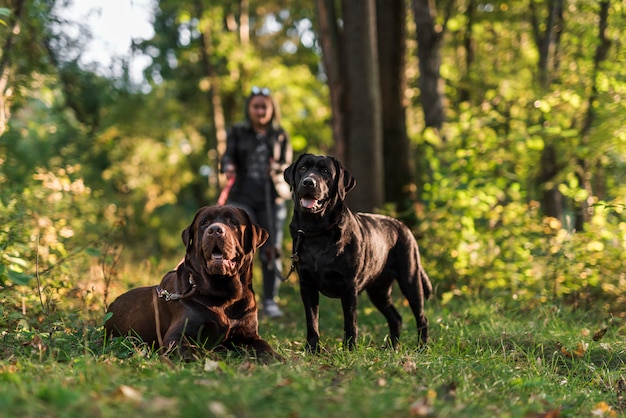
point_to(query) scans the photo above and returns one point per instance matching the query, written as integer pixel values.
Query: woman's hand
(231, 171)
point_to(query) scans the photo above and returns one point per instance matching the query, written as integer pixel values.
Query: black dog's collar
(295, 258)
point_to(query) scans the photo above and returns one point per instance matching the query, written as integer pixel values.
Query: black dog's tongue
(307, 202)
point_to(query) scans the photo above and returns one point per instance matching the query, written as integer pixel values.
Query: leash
(295, 258)
(221, 200)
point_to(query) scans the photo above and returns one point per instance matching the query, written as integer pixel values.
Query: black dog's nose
(309, 182)
(215, 229)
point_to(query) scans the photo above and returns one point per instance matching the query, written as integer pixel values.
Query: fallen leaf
(597, 336)
(603, 409)
(409, 366)
(161, 404)
(211, 365)
(218, 409)
(128, 393)
(555, 413)
(580, 351)
(421, 408)
(247, 366)
(284, 383)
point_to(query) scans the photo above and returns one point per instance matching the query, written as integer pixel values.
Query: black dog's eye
(303, 168)
(206, 222)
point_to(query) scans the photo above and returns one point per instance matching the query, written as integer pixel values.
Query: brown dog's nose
(215, 229)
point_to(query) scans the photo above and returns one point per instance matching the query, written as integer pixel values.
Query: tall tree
(214, 91)
(331, 40)
(6, 58)
(364, 136)
(583, 169)
(547, 42)
(429, 40)
(391, 31)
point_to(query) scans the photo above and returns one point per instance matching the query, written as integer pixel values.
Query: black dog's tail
(426, 284)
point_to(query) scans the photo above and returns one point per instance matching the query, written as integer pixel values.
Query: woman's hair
(265, 92)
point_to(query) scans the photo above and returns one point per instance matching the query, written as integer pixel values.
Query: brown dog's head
(318, 183)
(221, 241)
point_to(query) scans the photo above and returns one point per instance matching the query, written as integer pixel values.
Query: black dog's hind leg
(413, 291)
(310, 299)
(381, 298)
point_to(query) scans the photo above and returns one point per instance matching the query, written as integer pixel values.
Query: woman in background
(257, 152)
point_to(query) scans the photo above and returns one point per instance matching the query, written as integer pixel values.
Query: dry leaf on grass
(554, 413)
(580, 351)
(603, 409)
(127, 392)
(423, 407)
(597, 336)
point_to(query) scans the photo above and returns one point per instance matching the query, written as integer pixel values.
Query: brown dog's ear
(290, 172)
(345, 181)
(254, 235)
(187, 234)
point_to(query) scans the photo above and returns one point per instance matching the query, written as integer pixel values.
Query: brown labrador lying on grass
(340, 253)
(208, 301)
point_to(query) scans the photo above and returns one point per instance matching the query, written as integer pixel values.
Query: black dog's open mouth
(310, 202)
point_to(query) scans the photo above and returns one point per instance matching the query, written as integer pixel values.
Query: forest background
(495, 129)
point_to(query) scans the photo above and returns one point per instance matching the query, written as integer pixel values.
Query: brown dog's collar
(165, 294)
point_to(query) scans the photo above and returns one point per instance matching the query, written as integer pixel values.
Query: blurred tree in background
(503, 122)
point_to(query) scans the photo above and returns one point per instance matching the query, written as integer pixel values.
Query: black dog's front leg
(348, 303)
(311, 300)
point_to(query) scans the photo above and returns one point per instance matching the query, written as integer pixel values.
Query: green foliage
(482, 227)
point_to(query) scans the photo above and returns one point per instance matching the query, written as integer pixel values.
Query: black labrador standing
(340, 253)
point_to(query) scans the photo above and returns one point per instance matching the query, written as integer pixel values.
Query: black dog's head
(318, 182)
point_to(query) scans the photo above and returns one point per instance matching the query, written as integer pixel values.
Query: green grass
(484, 359)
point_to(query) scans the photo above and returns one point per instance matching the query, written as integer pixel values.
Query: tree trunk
(551, 197)
(583, 173)
(552, 200)
(399, 180)
(364, 137)
(5, 66)
(429, 40)
(468, 44)
(331, 41)
(244, 25)
(547, 42)
(214, 93)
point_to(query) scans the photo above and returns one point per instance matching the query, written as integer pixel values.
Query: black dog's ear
(290, 172)
(254, 235)
(345, 181)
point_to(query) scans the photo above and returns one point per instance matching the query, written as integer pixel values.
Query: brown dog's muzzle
(220, 248)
